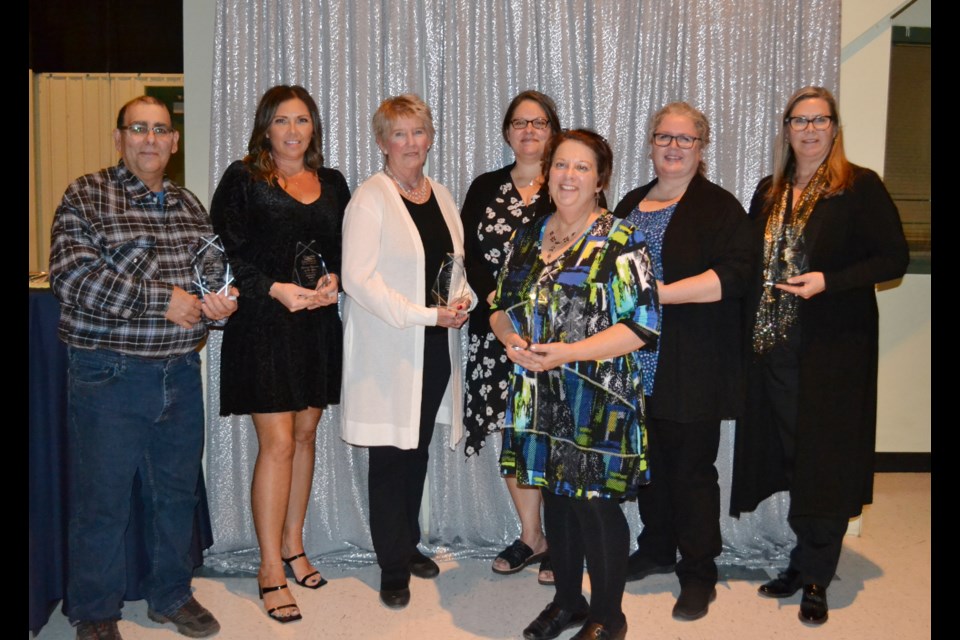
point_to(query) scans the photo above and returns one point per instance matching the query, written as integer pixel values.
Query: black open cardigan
(856, 240)
(699, 367)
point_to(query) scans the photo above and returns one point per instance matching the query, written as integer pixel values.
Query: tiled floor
(882, 591)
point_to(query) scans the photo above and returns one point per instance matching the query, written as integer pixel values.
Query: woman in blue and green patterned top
(576, 298)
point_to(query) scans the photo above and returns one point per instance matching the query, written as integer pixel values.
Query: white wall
(904, 414)
(903, 410)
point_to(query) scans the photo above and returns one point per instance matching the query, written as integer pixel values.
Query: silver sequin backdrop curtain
(609, 65)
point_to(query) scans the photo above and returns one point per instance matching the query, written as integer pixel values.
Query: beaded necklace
(415, 194)
(556, 245)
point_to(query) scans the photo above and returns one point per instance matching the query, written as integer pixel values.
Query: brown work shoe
(100, 630)
(192, 619)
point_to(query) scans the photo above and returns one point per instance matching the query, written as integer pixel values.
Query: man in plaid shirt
(123, 240)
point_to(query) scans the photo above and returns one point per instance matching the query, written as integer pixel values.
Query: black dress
(271, 359)
(492, 209)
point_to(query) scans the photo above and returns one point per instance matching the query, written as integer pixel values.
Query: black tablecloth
(48, 478)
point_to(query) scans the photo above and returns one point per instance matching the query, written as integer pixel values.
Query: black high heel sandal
(303, 581)
(272, 612)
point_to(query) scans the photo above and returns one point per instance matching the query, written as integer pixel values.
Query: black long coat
(856, 240)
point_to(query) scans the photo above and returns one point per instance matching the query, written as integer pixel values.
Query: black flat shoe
(813, 605)
(639, 567)
(596, 631)
(395, 598)
(784, 585)
(422, 566)
(518, 555)
(694, 601)
(303, 581)
(273, 612)
(551, 622)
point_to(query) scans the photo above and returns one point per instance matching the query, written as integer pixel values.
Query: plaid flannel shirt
(116, 254)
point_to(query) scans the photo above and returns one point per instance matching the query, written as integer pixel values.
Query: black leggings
(596, 530)
(396, 476)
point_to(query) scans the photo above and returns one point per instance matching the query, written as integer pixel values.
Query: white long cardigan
(384, 315)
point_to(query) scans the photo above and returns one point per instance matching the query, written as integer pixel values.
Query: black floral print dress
(492, 210)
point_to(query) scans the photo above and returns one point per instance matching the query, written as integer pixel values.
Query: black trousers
(396, 476)
(819, 537)
(680, 508)
(596, 530)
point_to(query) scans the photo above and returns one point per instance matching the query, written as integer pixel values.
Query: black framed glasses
(683, 141)
(800, 123)
(538, 123)
(140, 130)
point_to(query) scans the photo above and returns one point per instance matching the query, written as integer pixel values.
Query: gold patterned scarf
(777, 311)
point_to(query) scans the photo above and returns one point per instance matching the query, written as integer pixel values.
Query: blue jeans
(129, 414)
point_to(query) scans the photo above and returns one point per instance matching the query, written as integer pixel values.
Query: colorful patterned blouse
(578, 430)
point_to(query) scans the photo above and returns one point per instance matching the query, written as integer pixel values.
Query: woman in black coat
(699, 238)
(829, 232)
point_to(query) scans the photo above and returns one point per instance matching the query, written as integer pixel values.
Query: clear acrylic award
(309, 268)
(211, 271)
(450, 287)
(535, 318)
(791, 258)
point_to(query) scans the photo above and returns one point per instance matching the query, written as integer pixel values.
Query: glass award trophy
(211, 271)
(534, 318)
(309, 269)
(450, 287)
(791, 258)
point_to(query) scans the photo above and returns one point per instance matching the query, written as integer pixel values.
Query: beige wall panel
(32, 248)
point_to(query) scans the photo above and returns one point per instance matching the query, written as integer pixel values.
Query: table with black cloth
(48, 489)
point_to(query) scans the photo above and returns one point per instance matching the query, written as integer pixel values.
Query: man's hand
(217, 306)
(184, 308)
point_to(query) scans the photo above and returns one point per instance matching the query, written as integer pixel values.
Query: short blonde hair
(403, 106)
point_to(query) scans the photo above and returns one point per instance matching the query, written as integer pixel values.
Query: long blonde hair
(839, 170)
(700, 123)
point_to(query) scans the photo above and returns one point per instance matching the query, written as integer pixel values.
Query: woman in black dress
(281, 356)
(496, 204)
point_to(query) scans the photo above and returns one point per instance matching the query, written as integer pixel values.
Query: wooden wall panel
(72, 117)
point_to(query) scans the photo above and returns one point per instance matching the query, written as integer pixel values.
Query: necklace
(536, 180)
(417, 194)
(557, 244)
(661, 194)
(291, 183)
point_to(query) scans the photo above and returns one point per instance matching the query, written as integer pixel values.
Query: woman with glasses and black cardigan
(827, 232)
(699, 241)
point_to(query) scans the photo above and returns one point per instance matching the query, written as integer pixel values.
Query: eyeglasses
(521, 123)
(683, 141)
(799, 123)
(141, 130)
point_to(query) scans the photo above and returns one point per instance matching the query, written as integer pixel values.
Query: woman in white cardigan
(401, 370)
